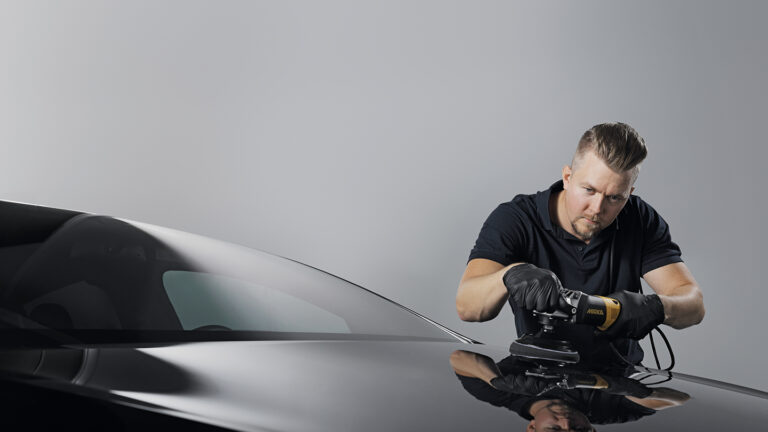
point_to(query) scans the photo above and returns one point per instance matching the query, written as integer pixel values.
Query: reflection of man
(587, 233)
(599, 398)
(555, 414)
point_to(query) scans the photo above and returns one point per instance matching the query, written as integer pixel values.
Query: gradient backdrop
(372, 139)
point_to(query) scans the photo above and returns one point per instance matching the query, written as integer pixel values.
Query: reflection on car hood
(329, 386)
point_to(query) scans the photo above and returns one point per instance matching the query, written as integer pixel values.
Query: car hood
(331, 386)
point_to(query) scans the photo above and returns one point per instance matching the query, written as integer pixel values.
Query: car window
(98, 274)
(204, 300)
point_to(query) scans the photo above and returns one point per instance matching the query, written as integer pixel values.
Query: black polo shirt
(522, 231)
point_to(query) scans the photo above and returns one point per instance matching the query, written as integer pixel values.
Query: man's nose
(596, 204)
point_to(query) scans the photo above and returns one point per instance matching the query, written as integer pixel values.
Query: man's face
(557, 416)
(594, 195)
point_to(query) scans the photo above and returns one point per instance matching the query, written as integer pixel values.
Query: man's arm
(662, 398)
(679, 293)
(474, 365)
(482, 292)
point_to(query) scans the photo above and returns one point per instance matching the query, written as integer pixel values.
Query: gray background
(371, 139)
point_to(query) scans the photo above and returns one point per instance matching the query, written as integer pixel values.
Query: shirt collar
(542, 204)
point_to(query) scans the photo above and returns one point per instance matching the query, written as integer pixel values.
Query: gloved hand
(639, 315)
(533, 288)
(523, 384)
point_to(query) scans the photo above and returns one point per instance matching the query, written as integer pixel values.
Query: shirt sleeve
(658, 247)
(502, 237)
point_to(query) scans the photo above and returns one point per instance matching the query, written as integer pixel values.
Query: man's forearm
(661, 398)
(474, 365)
(480, 298)
(684, 307)
(679, 294)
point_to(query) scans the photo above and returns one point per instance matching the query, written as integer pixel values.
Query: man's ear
(567, 172)
(631, 190)
(530, 427)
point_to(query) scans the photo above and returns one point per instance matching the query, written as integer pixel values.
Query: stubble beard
(585, 235)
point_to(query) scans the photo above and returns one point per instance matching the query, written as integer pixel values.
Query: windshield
(102, 279)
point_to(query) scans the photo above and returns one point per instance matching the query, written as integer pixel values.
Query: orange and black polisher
(575, 307)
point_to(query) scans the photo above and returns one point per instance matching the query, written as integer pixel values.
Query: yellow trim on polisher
(600, 382)
(612, 310)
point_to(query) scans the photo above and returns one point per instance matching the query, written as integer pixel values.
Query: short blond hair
(617, 144)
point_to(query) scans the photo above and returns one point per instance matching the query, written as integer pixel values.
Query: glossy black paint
(324, 386)
(395, 374)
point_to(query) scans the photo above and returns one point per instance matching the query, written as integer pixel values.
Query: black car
(109, 324)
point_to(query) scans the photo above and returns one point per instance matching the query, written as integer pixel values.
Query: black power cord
(653, 343)
(666, 342)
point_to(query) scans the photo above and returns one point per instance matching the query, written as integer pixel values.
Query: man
(587, 233)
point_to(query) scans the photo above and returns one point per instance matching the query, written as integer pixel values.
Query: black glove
(533, 288)
(639, 315)
(523, 384)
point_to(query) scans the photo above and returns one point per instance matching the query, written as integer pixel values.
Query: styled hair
(616, 144)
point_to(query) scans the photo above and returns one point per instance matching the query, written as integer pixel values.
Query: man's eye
(589, 190)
